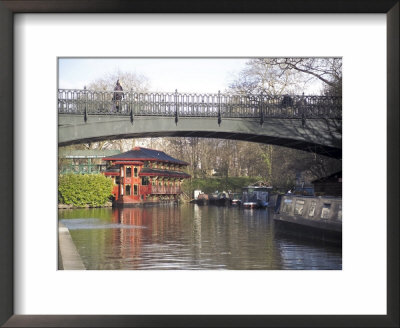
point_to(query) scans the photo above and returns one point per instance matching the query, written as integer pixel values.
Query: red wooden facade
(145, 175)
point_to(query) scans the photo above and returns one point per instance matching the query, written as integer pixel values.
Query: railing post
(219, 108)
(176, 107)
(131, 101)
(303, 116)
(261, 109)
(85, 99)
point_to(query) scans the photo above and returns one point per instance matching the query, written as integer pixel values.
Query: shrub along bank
(84, 190)
(210, 185)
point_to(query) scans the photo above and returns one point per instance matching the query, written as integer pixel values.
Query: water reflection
(190, 237)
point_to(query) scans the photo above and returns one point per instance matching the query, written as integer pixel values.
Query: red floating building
(144, 175)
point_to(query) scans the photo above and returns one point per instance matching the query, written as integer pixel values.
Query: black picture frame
(7, 10)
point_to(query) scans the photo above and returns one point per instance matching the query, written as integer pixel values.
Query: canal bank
(68, 256)
(71, 207)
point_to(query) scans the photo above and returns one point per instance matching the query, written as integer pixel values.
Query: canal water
(189, 236)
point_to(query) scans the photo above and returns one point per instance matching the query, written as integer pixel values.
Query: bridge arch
(322, 136)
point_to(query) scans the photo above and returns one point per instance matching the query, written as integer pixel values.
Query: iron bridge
(311, 123)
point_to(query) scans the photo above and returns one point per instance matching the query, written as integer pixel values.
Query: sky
(196, 75)
(183, 74)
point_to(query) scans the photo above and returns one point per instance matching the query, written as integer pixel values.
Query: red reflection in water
(148, 225)
(127, 241)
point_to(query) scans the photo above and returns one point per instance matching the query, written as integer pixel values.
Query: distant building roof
(140, 153)
(337, 176)
(87, 153)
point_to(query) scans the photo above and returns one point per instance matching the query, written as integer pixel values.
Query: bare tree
(263, 76)
(327, 70)
(129, 81)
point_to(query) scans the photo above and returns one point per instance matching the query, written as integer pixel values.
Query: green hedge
(85, 189)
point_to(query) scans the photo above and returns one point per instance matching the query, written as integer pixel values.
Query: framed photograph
(46, 85)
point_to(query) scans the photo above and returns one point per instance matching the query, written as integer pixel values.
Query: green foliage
(210, 185)
(82, 190)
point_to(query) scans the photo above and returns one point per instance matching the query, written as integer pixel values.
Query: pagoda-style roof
(144, 154)
(163, 173)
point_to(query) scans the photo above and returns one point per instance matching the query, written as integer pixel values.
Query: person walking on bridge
(118, 95)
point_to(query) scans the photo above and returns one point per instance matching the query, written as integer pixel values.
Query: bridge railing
(71, 101)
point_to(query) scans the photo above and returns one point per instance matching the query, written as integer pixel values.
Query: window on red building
(127, 190)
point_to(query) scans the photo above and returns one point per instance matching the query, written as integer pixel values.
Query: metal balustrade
(165, 190)
(221, 105)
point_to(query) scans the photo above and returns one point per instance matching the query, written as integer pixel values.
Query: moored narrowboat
(323, 214)
(220, 199)
(236, 199)
(202, 199)
(255, 196)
